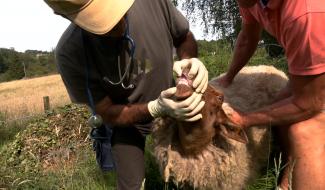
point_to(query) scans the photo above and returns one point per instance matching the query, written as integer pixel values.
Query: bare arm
(246, 44)
(307, 100)
(122, 114)
(135, 113)
(187, 47)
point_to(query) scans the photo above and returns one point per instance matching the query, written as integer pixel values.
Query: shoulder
(248, 15)
(153, 4)
(70, 40)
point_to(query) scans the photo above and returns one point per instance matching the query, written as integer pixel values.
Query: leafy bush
(217, 56)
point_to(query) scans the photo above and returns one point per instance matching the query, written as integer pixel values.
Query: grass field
(22, 164)
(25, 97)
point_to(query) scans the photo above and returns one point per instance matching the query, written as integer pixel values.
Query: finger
(203, 85)
(179, 65)
(193, 105)
(195, 118)
(196, 110)
(202, 72)
(195, 66)
(188, 101)
(168, 93)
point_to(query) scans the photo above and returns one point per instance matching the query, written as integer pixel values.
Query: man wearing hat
(117, 57)
(300, 108)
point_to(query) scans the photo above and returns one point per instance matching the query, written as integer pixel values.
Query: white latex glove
(186, 110)
(197, 70)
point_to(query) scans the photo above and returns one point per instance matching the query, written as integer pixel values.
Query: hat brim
(100, 16)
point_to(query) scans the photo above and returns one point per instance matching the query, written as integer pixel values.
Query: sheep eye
(220, 98)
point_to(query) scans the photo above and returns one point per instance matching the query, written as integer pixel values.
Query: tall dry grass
(23, 98)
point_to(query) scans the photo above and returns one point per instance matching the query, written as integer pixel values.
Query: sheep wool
(225, 164)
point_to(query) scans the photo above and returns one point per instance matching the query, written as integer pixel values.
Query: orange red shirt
(299, 26)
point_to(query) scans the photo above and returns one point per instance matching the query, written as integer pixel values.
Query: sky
(31, 24)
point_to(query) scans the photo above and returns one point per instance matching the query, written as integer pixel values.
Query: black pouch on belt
(101, 137)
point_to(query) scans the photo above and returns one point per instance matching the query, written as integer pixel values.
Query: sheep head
(195, 136)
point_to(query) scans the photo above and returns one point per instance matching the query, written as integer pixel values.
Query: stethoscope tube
(130, 41)
(96, 120)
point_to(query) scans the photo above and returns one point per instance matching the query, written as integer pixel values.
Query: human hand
(233, 126)
(236, 118)
(186, 110)
(197, 71)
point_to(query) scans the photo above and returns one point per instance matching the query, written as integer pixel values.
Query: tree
(36, 63)
(222, 18)
(16, 69)
(4, 56)
(3, 66)
(219, 17)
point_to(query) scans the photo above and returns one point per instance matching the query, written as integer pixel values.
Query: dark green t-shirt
(154, 25)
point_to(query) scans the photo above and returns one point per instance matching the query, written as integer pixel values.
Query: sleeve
(177, 23)
(247, 17)
(71, 79)
(73, 73)
(304, 40)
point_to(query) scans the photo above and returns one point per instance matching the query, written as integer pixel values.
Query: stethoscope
(126, 37)
(96, 120)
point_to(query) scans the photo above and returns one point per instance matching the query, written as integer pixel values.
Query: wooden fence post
(46, 101)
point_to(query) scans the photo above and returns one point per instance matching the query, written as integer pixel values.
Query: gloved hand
(186, 110)
(197, 71)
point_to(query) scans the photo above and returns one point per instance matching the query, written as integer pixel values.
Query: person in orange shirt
(299, 111)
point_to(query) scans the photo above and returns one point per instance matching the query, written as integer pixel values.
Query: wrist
(253, 119)
(229, 76)
(245, 120)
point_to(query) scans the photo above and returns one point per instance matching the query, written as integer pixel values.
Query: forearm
(280, 113)
(244, 50)
(187, 47)
(123, 115)
(306, 100)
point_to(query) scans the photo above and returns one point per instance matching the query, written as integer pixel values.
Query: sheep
(222, 163)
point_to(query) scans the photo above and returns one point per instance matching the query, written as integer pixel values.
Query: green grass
(24, 171)
(9, 130)
(22, 163)
(218, 61)
(84, 173)
(270, 179)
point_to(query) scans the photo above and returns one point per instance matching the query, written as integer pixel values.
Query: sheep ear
(228, 128)
(234, 133)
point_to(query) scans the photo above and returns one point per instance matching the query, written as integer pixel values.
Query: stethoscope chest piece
(95, 121)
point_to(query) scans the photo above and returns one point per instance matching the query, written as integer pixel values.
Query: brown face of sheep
(195, 136)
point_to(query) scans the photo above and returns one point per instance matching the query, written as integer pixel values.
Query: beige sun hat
(95, 16)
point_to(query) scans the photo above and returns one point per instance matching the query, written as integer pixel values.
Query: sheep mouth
(183, 80)
(184, 87)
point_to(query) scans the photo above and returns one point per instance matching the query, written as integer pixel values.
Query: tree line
(31, 63)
